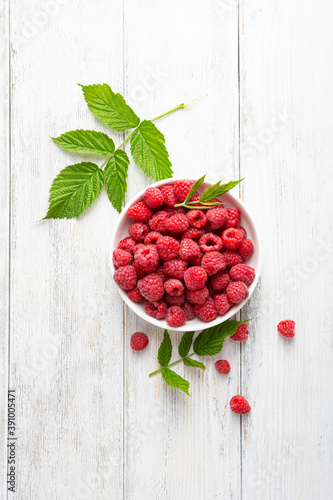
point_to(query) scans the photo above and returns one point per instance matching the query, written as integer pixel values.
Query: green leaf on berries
(86, 141)
(115, 175)
(165, 350)
(217, 190)
(194, 188)
(210, 340)
(175, 380)
(185, 344)
(194, 363)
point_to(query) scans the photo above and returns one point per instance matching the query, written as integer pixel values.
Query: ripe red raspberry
(233, 217)
(232, 258)
(196, 218)
(139, 212)
(175, 301)
(195, 277)
(174, 287)
(157, 222)
(156, 309)
(198, 296)
(193, 233)
(121, 257)
(210, 242)
(141, 273)
(220, 280)
(188, 249)
(159, 271)
(175, 316)
(151, 287)
(174, 210)
(152, 238)
(153, 197)
(241, 334)
(135, 295)
(222, 366)
(238, 404)
(170, 198)
(243, 231)
(222, 304)
(242, 272)
(237, 291)
(167, 247)
(175, 268)
(147, 257)
(177, 223)
(212, 262)
(138, 231)
(127, 244)
(188, 310)
(287, 328)
(245, 249)
(206, 311)
(182, 188)
(126, 277)
(217, 217)
(232, 238)
(196, 261)
(139, 341)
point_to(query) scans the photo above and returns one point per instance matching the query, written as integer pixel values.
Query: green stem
(171, 364)
(180, 106)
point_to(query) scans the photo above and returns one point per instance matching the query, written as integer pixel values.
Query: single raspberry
(156, 309)
(232, 238)
(175, 268)
(188, 310)
(232, 258)
(198, 296)
(121, 257)
(237, 291)
(126, 277)
(206, 311)
(175, 316)
(195, 277)
(134, 295)
(177, 223)
(147, 257)
(243, 231)
(141, 273)
(170, 198)
(217, 217)
(139, 341)
(238, 404)
(222, 304)
(157, 222)
(153, 197)
(127, 244)
(246, 249)
(212, 262)
(167, 247)
(175, 301)
(138, 231)
(241, 334)
(242, 272)
(287, 328)
(139, 212)
(210, 242)
(152, 238)
(220, 280)
(151, 287)
(233, 217)
(222, 366)
(189, 249)
(174, 287)
(159, 271)
(174, 210)
(193, 233)
(196, 218)
(182, 188)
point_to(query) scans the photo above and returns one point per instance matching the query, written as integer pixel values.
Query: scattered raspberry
(232, 258)
(127, 244)
(170, 198)
(121, 257)
(156, 309)
(207, 311)
(222, 366)
(198, 296)
(152, 238)
(157, 222)
(238, 404)
(177, 223)
(233, 217)
(196, 218)
(182, 188)
(210, 242)
(220, 280)
(188, 310)
(222, 304)
(245, 249)
(134, 295)
(212, 262)
(189, 249)
(159, 271)
(138, 231)
(242, 272)
(217, 217)
(287, 328)
(237, 291)
(139, 212)
(125, 277)
(175, 301)
(153, 197)
(175, 316)
(195, 277)
(241, 334)
(174, 287)
(141, 273)
(175, 268)
(151, 287)
(167, 247)
(193, 233)
(147, 257)
(139, 341)
(232, 238)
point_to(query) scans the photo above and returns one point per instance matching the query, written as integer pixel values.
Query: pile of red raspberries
(183, 262)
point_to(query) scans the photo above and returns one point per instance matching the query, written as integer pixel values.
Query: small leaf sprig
(208, 343)
(209, 197)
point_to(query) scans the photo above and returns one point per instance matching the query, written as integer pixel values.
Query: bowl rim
(186, 327)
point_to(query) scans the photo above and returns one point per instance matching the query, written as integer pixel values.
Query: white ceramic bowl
(121, 231)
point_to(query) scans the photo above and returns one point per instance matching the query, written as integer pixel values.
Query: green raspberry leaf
(194, 188)
(115, 175)
(86, 141)
(74, 189)
(217, 190)
(210, 340)
(109, 107)
(185, 344)
(175, 380)
(165, 350)
(194, 363)
(149, 151)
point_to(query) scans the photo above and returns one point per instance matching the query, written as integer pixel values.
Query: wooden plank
(286, 156)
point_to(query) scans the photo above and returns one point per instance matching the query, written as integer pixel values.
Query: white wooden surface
(91, 425)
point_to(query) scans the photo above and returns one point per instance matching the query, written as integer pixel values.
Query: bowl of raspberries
(183, 265)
